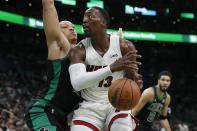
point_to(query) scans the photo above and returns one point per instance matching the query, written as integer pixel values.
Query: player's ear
(104, 23)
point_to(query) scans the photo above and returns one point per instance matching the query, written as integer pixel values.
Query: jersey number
(151, 117)
(106, 82)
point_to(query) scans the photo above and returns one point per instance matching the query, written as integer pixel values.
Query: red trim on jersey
(89, 125)
(114, 118)
(137, 122)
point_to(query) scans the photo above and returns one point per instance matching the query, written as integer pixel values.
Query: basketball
(124, 94)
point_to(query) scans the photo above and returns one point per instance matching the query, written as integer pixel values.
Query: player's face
(164, 82)
(69, 31)
(92, 21)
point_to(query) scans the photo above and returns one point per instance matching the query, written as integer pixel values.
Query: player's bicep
(132, 73)
(64, 43)
(125, 47)
(143, 100)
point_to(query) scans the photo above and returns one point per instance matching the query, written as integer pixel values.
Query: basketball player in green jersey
(57, 99)
(154, 103)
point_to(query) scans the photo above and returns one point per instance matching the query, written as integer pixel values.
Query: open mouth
(85, 29)
(73, 33)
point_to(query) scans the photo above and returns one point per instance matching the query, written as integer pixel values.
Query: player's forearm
(81, 79)
(138, 79)
(165, 124)
(134, 112)
(50, 20)
(134, 75)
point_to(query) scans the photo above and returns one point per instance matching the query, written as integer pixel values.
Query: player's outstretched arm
(144, 99)
(82, 79)
(52, 27)
(163, 118)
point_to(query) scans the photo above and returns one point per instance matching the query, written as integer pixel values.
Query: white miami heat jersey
(93, 61)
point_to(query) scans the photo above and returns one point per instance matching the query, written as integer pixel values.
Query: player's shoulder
(168, 96)
(126, 43)
(77, 51)
(149, 90)
(126, 46)
(148, 93)
(85, 42)
(82, 44)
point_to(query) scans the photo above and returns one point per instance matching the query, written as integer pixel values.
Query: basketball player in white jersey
(96, 62)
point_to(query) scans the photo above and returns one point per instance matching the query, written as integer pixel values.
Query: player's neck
(159, 92)
(100, 41)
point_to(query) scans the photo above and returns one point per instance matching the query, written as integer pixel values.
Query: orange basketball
(124, 94)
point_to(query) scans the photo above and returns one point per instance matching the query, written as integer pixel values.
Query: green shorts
(44, 117)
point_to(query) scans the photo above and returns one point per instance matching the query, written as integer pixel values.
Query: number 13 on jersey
(106, 82)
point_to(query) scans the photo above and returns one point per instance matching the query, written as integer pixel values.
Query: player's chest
(94, 58)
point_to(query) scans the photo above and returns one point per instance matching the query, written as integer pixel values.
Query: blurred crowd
(21, 76)
(16, 90)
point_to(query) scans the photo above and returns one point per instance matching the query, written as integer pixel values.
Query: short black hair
(164, 73)
(104, 13)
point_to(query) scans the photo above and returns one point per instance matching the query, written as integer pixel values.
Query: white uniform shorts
(101, 115)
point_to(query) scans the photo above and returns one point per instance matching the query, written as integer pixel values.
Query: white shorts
(99, 114)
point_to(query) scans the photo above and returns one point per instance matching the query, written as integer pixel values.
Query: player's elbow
(79, 83)
(76, 77)
(134, 112)
(76, 85)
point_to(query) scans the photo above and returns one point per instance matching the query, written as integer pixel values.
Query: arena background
(164, 32)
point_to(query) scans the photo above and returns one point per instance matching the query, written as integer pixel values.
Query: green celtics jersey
(59, 91)
(152, 110)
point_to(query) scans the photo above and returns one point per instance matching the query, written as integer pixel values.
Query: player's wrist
(113, 68)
